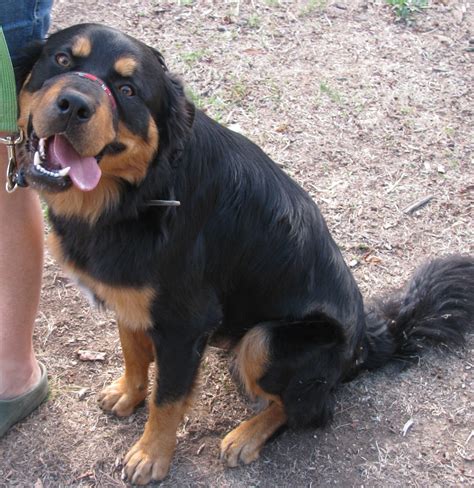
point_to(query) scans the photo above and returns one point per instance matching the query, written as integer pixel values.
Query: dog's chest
(132, 304)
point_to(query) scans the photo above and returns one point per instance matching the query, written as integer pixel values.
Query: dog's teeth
(42, 148)
(37, 160)
(60, 173)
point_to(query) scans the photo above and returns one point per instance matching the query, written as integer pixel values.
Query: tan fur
(132, 305)
(150, 458)
(125, 66)
(93, 136)
(244, 443)
(124, 394)
(81, 47)
(131, 164)
(86, 205)
(29, 102)
(252, 354)
(25, 102)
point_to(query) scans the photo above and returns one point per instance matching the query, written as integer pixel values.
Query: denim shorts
(24, 21)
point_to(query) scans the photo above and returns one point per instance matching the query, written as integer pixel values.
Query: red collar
(101, 83)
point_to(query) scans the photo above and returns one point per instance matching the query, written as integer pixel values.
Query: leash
(8, 114)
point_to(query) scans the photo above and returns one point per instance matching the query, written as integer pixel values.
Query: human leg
(21, 258)
(22, 380)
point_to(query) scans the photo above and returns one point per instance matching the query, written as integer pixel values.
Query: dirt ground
(370, 115)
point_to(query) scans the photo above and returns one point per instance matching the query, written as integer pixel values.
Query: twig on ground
(418, 204)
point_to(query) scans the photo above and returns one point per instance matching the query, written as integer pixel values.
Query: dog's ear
(25, 62)
(176, 112)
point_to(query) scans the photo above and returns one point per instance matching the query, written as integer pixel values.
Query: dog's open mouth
(57, 163)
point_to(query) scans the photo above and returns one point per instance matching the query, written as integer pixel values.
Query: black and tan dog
(246, 258)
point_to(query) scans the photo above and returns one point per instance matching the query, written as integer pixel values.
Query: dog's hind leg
(295, 366)
(124, 394)
(245, 442)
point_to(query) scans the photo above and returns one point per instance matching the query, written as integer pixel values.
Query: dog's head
(98, 109)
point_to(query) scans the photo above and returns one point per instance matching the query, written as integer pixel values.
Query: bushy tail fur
(436, 305)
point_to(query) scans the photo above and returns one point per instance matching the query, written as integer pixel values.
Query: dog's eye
(127, 90)
(63, 60)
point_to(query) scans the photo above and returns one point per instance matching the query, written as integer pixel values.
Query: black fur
(248, 247)
(435, 306)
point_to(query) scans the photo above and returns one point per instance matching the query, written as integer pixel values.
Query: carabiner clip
(12, 175)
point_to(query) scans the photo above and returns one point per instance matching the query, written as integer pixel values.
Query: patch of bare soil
(370, 116)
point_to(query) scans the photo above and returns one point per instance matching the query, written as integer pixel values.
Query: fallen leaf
(372, 259)
(281, 128)
(85, 355)
(253, 51)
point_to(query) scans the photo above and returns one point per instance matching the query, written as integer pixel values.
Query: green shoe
(16, 409)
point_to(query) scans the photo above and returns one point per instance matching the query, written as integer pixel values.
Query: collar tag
(163, 203)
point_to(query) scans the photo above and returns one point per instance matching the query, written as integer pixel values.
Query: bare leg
(21, 261)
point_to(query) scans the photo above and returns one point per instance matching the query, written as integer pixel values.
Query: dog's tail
(436, 305)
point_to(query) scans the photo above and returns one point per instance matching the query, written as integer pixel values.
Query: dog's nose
(75, 106)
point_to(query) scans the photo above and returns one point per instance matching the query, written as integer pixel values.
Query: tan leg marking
(124, 394)
(150, 458)
(246, 441)
(252, 356)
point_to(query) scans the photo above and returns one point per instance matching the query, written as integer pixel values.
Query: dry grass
(370, 116)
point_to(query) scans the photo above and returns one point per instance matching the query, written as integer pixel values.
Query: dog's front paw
(121, 397)
(144, 463)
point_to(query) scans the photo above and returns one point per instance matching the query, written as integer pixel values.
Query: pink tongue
(85, 172)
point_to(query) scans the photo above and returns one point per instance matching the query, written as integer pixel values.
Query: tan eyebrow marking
(125, 66)
(82, 47)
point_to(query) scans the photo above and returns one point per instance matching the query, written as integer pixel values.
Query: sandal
(17, 408)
